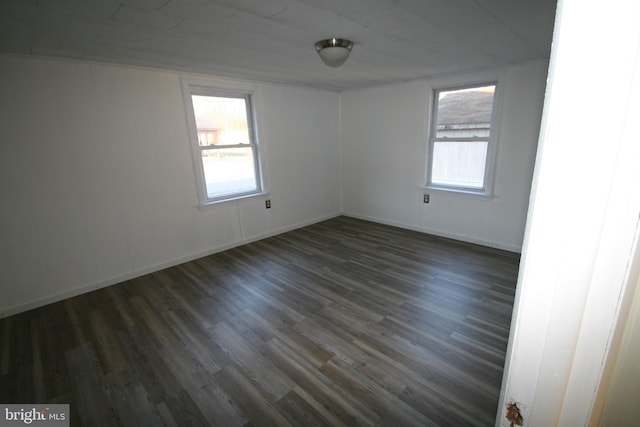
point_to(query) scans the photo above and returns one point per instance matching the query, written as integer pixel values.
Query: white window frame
(489, 168)
(205, 87)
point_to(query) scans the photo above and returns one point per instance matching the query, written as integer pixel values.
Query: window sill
(231, 201)
(460, 191)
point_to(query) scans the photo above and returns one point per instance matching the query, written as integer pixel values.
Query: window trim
(492, 141)
(206, 87)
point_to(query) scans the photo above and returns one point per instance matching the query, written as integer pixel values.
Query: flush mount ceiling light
(334, 52)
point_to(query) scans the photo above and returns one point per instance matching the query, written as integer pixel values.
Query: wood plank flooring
(341, 323)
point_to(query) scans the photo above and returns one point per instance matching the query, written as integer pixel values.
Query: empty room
(331, 213)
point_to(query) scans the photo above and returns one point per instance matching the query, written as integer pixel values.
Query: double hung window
(224, 144)
(461, 139)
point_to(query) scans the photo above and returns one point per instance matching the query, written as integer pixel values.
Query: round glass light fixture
(334, 52)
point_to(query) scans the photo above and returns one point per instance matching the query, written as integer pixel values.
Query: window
(224, 144)
(461, 139)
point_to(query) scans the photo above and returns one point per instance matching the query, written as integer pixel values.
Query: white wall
(97, 183)
(384, 133)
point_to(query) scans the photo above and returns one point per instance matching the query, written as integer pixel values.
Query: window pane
(229, 171)
(221, 121)
(226, 146)
(459, 163)
(465, 112)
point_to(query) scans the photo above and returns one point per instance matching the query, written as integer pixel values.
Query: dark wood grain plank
(335, 400)
(247, 395)
(89, 387)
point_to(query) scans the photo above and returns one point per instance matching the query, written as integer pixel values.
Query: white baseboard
(439, 233)
(39, 302)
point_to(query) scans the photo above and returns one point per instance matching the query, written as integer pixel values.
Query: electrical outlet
(426, 198)
(267, 204)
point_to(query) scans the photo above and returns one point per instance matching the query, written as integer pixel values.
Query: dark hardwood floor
(341, 323)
